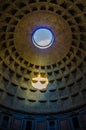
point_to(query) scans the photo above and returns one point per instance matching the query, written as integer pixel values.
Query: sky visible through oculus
(42, 37)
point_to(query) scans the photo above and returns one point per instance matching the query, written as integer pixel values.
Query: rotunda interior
(42, 64)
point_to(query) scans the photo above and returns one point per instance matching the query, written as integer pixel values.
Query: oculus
(43, 38)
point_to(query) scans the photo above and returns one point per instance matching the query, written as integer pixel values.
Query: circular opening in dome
(43, 38)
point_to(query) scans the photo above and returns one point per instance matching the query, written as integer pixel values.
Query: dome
(60, 57)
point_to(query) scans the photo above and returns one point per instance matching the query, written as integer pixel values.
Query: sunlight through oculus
(43, 38)
(39, 82)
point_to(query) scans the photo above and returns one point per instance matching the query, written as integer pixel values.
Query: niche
(75, 123)
(5, 121)
(52, 125)
(29, 125)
